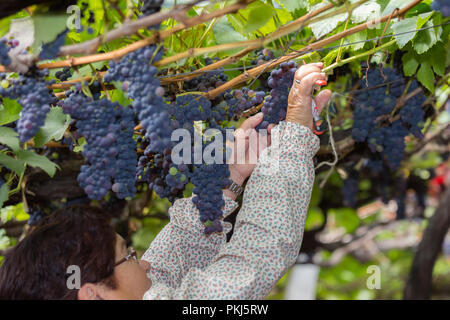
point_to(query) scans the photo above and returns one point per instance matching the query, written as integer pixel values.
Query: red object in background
(442, 180)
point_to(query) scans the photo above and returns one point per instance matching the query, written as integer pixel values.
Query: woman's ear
(89, 291)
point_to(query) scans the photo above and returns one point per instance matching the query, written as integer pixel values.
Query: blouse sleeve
(269, 227)
(182, 245)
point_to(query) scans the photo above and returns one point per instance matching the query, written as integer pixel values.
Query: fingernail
(259, 115)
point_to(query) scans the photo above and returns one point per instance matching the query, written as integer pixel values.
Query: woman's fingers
(306, 86)
(252, 121)
(322, 98)
(307, 69)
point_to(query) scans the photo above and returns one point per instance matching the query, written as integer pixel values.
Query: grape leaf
(423, 18)
(55, 125)
(236, 21)
(15, 165)
(367, 11)
(359, 36)
(425, 39)
(10, 138)
(410, 64)
(292, 5)
(434, 56)
(3, 194)
(259, 15)
(426, 75)
(34, 160)
(224, 33)
(391, 5)
(403, 26)
(325, 26)
(9, 111)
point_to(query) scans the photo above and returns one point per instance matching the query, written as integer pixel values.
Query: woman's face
(130, 277)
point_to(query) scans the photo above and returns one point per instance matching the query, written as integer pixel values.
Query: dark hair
(36, 268)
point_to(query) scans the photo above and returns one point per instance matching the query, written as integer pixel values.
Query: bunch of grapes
(376, 104)
(138, 77)
(151, 6)
(110, 153)
(207, 81)
(275, 105)
(63, 74)
(208, 181)
(189, 108)
(36, 215)
(165, 178)
(4, 49)
(442, 6)
(263, 56)
(32, 93)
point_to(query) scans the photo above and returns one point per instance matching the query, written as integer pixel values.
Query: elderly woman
(76, 254)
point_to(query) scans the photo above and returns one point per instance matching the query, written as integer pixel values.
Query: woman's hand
(250, 144)
(300, 97)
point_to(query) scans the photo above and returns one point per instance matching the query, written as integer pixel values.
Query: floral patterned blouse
(187, 264)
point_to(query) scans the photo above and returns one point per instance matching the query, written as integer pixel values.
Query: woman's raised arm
(269, 227)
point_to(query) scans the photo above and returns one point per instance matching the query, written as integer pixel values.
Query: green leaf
(15, 165)
(15, 212)
(377, 57)
(47, 27)
(391, 5)
(87, 69)
(5, 242)
(3, 194)
(236, 21)
(314, 219)
(426, 76)
(425, 39)
(329, 58)
(325, 26)
(403, 26)
(259, 15)
(359, 36)
(345, 217)
(10, 138)
(292, 5)
(9, 111)
(410, 64)
(434, 56)
(80, 147)
(4, 25)
(119, 96)
(422, 19)
(55, 125)
(34, 160)
(366, 12)
(224, 33)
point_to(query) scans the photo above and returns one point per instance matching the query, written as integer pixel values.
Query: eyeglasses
(131, 254)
